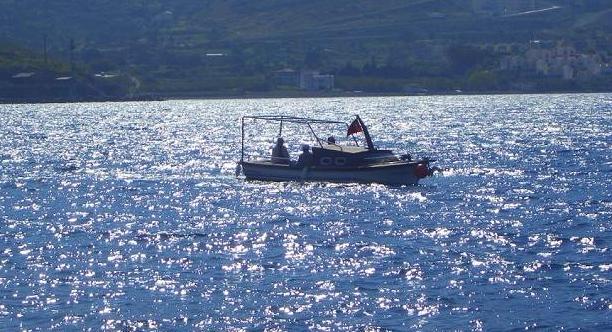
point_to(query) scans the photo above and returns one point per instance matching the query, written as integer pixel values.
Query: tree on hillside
(464, 58)
(313, 58)
(349, 70)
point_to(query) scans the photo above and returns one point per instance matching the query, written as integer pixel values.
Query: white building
(311, 80)
(560, 61)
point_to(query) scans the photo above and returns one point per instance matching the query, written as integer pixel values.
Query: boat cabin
(332, 155)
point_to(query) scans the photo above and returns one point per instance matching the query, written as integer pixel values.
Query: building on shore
(286, 77)
(312, 80)
(561, 61)
(309, 80)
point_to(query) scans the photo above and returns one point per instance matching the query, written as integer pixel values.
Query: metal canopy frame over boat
(291, 119)
(299, 120)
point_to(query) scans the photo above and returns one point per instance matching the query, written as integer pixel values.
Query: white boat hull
(392, 173)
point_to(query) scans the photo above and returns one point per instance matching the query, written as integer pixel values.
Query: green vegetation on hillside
(208, 47)
(26, 76)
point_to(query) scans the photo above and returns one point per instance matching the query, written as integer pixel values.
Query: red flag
(354, 128)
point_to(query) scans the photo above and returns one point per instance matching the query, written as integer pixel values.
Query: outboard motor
(422, 170)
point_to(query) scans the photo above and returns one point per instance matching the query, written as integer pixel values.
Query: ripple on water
(128, 216)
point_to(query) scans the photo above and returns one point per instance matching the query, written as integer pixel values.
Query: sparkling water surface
(128, 216)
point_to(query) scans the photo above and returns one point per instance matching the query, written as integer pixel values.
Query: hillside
(232, 46)
(28, 76)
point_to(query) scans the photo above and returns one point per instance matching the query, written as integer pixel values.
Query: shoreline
(285, 95)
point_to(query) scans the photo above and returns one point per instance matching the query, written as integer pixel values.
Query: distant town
(416, 47)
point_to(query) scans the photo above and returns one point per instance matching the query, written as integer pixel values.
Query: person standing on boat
(331, 140)
(305, 159)
(280, 155)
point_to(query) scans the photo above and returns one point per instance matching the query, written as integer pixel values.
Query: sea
(129, 216)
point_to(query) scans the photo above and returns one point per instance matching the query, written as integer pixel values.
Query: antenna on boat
(280, 130)
(242, 140)
(366, 133)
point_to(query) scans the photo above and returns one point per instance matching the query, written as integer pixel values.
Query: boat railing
(264, 157)
(381, 158)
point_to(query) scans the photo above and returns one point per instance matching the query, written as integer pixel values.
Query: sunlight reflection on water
(129, 216)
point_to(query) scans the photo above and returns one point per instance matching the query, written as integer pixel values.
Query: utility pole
(45, 48)
(72, 56)
(72, 82)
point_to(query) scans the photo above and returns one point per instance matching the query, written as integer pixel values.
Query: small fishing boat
(331, 162)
